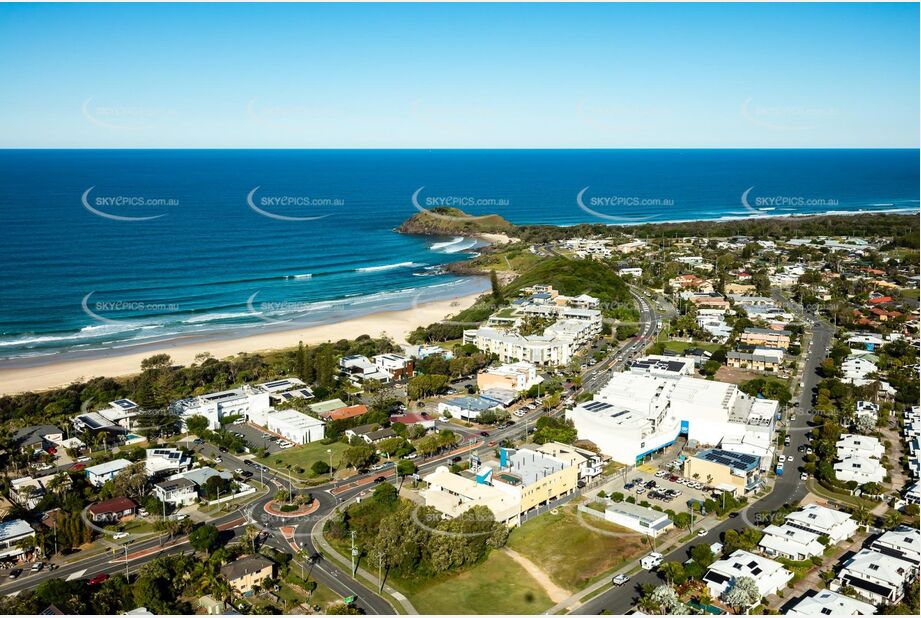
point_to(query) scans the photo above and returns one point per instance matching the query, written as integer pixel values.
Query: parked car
(702, 532)
(38, 566)
(380, 479)
(15, 573)
(620, 579)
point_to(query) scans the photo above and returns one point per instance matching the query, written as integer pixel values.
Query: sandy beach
(395, 324)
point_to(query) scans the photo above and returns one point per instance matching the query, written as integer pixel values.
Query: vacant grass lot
(304, 457)
(497, 586)
(681, 346)
(570, 553)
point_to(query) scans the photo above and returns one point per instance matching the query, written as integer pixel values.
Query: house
(12, 535)
(904, 543)
(200, 476)
(422, 420)
(295, 426)
(854, 445)
(821, 520)
(37, 437)
(166, 461)
(630, 272)
(860, 469)
(100, 474)
(738, 473)
(372, 434)
(515, 377)
(739, 288)
(828, 603)
(770, 576)
(766, 337)
(340, 414)
(467, 408)
(323, 408)
(790, 542)
(27, 492)
(178, 492)
(286, 389)
(397, 366)
(633, 517)
(869, 410)
(110, 511)
(877, 577)
(359, 368)
(247, 572)
(425, 350)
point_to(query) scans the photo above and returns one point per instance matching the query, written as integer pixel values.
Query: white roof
(108, 467)
(905, 540)
(817, 517)
(293, 418)
(14, 528)
(792, 541)
(827, 603)
(873, 565)
(742, 563)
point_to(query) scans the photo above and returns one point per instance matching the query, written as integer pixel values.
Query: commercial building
(100, 474)
(828, 603)
(534, 477)
(633, 517)
(590, 464)
(737, 473)
(770, 576)
(636, 414)
(295, 426)
(452, 495)
(467, 408)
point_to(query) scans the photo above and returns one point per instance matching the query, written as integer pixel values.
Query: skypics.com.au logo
(293, 208)
(620, 208)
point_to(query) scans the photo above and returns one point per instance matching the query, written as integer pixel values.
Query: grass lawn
(497, 586)
(813, 486)
(304, 457)
(570, 553)
(681, 346)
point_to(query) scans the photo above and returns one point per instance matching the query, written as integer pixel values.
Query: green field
(497, 586)
(570, 553)
(304, 457)
(680, 346)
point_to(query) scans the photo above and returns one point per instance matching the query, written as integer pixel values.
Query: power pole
(354, 554)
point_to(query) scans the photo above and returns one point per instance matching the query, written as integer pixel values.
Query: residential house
(397, 366)
(12, 535)
(100, 474)
(178, 492)
(166, 461)
(467, 408)
(37, 437)
(790, 542)
(770, 576)
(110, 511)
(821, 520)
(904, 543)
(515, 377)
(877, 577)
(828, 603)
(247, 572)
(765, 337)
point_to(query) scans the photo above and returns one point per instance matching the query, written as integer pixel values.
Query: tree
(358, 456)
(406, 468)
(497, 294)
(197, 425)
(300, 361)
(204, 538)
(743, 594)
(673, 572)
(319, 468)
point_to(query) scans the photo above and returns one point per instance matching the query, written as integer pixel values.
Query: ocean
(108, 250)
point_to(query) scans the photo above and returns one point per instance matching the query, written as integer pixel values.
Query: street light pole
(329, 451)
(354, 554)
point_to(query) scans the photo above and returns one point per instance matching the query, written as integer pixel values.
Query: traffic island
(278, 508)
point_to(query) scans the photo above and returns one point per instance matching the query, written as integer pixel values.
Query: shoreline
(396, 324)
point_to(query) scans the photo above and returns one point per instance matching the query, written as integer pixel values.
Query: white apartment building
(770, 576)
(243, 401)
(516, 377)
(821, 520)
(630, 272)
(397, 366)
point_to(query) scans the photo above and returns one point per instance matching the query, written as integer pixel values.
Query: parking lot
(256, 438)
(643, 484)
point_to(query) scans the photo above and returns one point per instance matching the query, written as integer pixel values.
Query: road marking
(75, 575)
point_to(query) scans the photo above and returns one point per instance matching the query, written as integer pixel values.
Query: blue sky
(459, 76)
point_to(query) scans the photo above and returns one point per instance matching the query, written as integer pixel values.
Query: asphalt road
(788, 488)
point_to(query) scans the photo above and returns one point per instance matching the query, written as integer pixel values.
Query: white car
(804, 477)
(789, 457)
(120, 535)
(702, 532)
(179, 517)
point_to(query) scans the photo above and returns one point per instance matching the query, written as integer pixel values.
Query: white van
(651, 561)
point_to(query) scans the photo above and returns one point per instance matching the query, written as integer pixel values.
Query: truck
(779, 469)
